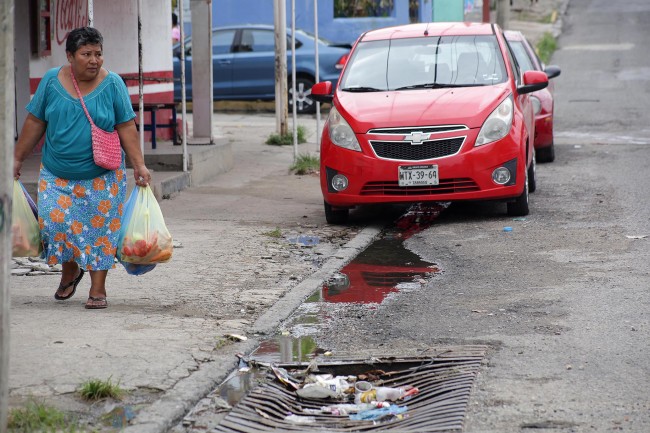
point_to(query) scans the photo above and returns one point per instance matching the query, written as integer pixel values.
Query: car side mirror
(552, 71)
(321, 92)
(533, 81)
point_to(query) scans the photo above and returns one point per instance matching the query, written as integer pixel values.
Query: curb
(170, 409)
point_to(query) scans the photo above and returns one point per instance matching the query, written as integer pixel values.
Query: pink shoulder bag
(107, 151)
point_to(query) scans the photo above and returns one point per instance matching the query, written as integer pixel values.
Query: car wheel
(338, 216)
(545, 154)
(532, 176)
(304, 105)
(519, 207)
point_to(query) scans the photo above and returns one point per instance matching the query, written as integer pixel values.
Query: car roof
(252, 26)
(429, 29)
(513, 35)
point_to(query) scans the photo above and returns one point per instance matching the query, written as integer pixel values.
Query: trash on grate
(388, 394)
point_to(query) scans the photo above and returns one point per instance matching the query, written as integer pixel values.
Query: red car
(429, 112)
(542, 99)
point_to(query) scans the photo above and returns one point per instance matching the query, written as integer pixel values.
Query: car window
(516, 69)
(222, 41)
(256, 40)
(413, 62)
(522, 57)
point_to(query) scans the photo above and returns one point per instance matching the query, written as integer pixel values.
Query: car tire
(545, 154)
(304, 105)
(519, 207)
(532, 176)
(335, 216)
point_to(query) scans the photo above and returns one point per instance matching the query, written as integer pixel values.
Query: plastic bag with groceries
(25, 232)
(144, 238)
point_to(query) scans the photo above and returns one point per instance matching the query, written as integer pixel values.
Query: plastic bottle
(384, 393)
(346, 409)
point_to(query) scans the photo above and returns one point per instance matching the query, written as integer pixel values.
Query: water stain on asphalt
(382, 270)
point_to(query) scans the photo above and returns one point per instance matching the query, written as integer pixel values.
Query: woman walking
(80, 203)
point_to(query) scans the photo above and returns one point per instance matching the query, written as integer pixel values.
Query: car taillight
(341, 63)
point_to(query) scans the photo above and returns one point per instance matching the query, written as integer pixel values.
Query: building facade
(41, 28)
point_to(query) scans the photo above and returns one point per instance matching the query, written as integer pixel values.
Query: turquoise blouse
(67, 152)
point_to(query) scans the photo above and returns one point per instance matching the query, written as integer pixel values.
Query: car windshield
(427, 62)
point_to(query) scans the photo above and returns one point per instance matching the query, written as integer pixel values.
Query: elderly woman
(80, 203)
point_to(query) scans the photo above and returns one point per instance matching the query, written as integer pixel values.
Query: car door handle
(223, 62)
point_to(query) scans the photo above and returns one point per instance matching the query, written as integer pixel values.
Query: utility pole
(486, 11)
(280, 24)
(294, 116)
(7, 119)
(503, 14)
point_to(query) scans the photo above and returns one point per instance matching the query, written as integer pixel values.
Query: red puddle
(386, 264)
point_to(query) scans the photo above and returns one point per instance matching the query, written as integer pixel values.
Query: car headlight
(497, 124)
(537, 105)
(340, 132)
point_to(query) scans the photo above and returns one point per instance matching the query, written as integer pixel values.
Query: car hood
(468, 106)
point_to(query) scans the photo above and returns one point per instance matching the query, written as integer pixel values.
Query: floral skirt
(80, 220)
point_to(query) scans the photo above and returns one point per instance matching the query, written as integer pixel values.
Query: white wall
(117, 21)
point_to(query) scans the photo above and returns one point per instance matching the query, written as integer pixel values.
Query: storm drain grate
(444, 380)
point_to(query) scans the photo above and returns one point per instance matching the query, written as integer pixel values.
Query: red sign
(70, 14)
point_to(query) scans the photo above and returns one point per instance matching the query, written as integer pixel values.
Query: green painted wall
(448, 10)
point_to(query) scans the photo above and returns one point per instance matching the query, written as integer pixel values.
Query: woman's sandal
(72, 283)
(96, 302)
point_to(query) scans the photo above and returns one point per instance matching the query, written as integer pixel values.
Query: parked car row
(243, 64)
(433, 112)
(542, 99)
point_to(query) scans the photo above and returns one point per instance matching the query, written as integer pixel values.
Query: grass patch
(287, 139)
(95, 389)
(38, 417)
(546, 47)
(305, 164)
(276, 233)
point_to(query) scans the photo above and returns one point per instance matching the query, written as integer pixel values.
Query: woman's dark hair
(83, 36)
(174, 19)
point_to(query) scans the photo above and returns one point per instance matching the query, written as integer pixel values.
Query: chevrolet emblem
(417, 137)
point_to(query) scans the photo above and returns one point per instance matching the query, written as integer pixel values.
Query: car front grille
(446, 186)
(407, 151)
(425, 129)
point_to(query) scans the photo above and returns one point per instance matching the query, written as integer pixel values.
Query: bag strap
(76, 87)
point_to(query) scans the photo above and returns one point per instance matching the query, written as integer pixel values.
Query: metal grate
(444, 380)
(407, 151)
(446, 186)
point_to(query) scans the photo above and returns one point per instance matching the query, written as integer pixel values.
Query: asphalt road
(561, 301)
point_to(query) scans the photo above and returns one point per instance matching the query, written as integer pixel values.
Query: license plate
(417, 175)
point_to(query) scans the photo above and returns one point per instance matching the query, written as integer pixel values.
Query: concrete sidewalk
(162, 337)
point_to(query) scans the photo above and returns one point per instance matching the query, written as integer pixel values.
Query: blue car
(243, 62)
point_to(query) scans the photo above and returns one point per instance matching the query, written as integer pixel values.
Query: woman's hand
(17, 166)
(33, 130)
(142, 175)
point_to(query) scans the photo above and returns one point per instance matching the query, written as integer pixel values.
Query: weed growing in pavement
(276, 233)
(96, 389)
(38, 417)
(546, 47)
(287, 139)
(306, 164)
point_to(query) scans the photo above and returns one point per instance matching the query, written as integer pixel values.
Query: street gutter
(169, 410)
